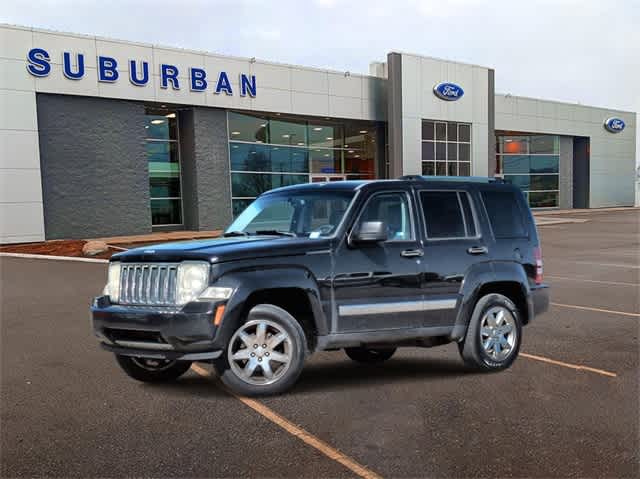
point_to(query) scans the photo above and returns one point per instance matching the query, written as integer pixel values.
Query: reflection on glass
(288, 132)
(548, 199)
(250, 185)
(464, 133)
(464, 152)
(163, 161)
(464, 169)
(427, 130)
(441, 151)
(248, 128)
(166, 212)
(428, 168)
(428, 151)
(441, 131)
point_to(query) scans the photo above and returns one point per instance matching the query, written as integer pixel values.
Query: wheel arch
(292, 289)
(506, 278)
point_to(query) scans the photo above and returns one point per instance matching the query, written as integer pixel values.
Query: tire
(152, 370)
(370, 355)
(265, 354)
(494, 334)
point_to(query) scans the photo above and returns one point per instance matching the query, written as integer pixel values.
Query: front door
(453, 244)
(377, 286)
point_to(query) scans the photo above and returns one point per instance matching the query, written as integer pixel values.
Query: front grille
(152, 284)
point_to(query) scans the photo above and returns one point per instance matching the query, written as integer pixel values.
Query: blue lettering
(169, 73)
(107, 69)
(67, 66)
(248, 85)
(133, 73)
(38, 62)
(224, 84)
(198, 82)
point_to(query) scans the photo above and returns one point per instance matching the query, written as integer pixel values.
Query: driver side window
(393, 210)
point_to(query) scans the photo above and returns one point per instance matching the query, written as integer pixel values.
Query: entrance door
(376, 286)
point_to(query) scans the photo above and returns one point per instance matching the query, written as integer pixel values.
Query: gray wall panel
(492, 163)
(211, 168)
(566, 172)
(95, 178)
(394, 114)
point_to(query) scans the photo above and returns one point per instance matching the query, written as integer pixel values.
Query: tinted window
(442, 214)
(393, 210)
(505, 214)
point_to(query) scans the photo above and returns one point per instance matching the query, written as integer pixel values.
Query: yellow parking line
(298, 432)
(569, 365)
(598, 310)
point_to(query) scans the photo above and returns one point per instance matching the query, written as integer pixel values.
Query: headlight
(215, 293)
(192, 280)
(112, 289)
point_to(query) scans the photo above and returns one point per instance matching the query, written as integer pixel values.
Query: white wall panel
(345, 107)
(309, 103)
(309, 80)
(14, 75)
(56, 44)
(21, 222)
(19, 149)
(15, 42)
(20, 186)
(18, 110)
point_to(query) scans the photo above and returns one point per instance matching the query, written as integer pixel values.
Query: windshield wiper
(276, 232)
(235, 233)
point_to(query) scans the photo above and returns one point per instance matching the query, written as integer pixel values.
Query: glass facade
(163, 156)
(531, 162)
(269, 151)
(446, 148)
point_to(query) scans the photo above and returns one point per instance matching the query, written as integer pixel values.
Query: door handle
(478, 250)
(412, 253)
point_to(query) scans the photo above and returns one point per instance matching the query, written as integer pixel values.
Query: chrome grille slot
(148, 284)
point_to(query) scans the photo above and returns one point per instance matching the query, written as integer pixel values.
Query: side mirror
(370, 232)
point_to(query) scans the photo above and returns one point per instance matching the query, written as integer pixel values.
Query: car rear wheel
(265, 354)
(370, 355)
(494, 334)
(152, 370)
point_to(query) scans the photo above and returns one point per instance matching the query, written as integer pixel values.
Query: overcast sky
(585, 51)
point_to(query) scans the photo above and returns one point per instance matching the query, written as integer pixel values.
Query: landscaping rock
(92, 248)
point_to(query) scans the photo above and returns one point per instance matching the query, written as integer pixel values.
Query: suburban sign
(448, 91)
(108, 71)
(614, 125)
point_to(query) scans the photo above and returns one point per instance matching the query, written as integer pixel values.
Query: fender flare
(483, 274)
(245, 282)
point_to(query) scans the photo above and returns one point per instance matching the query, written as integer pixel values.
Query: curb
(54, 258)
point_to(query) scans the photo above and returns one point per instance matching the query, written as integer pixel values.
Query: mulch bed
(55, 248)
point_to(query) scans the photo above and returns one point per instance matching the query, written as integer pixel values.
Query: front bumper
(186, 333)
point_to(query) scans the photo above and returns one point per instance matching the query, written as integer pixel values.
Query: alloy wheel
(498, 333)
(260, 352)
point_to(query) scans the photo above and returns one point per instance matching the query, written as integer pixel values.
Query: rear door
(376, 286)
(452, 245)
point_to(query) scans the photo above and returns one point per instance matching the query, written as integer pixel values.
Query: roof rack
(475, 179)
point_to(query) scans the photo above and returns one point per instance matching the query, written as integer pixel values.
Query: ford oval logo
(614, 125)
(448, 91)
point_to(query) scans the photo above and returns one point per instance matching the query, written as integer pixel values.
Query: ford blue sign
(614, 125)
(448, 91)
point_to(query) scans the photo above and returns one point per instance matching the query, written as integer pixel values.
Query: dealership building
(103, 137)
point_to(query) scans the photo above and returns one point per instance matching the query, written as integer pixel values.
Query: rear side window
(505, 215)
(447, 214)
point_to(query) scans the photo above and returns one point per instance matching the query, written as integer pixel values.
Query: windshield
(311, 215)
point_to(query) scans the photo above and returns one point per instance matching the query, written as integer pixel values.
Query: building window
(446, 148)
(269, 151)
(532, 163)
(163, 156)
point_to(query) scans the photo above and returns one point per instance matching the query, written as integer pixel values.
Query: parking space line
(598, 310)
(611, 265)
(585, 280)
(298, 432)
(569, 365)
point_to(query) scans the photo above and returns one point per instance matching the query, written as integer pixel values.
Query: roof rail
(474, 179)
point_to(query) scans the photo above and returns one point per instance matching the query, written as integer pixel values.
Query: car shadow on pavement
(351, 375)
(190, 385)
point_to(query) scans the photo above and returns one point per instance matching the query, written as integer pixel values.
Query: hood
(223, 249)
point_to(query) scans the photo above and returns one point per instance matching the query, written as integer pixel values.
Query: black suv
(361, 266)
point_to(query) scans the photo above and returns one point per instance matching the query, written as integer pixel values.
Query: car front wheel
(494, 334)
(265, 354)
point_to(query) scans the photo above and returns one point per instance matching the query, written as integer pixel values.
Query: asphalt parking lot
(68, 411)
